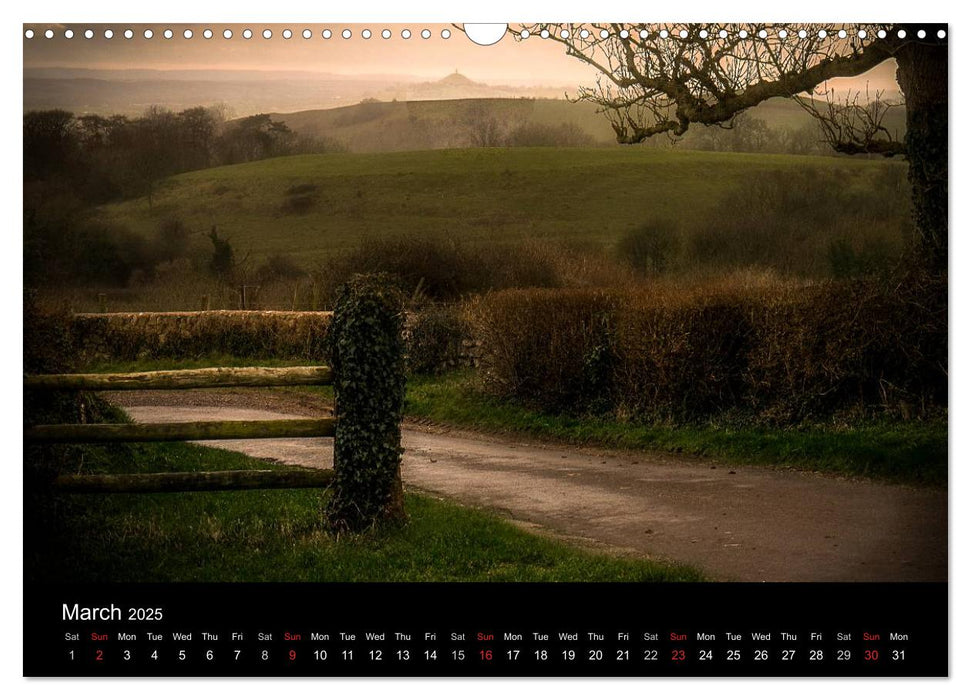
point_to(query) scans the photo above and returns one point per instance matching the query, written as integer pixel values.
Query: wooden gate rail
(209, 378)
(215, 377)
(234, 480)
(180, 432)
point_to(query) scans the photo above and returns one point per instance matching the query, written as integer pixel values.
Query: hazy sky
(533, 61)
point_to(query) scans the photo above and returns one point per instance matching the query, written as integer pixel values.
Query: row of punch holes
(446, 33)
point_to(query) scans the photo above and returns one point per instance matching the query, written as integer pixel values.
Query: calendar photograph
(435, 304)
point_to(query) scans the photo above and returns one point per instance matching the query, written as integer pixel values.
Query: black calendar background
(498, 625)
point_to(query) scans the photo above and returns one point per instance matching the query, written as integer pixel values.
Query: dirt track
(735, 523)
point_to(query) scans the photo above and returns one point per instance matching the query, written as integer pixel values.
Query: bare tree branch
(853, 126)
(662, 79)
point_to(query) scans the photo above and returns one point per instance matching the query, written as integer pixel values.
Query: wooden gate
(218, 377)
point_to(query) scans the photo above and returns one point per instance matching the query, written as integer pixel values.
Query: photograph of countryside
(624, 303)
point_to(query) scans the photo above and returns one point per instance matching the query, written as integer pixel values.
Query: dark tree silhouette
(660, 80)
(223, 260)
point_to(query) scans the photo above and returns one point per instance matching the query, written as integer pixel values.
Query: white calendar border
(494, 10)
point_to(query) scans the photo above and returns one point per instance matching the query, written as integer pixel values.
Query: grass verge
(912, 452)
(279, 536)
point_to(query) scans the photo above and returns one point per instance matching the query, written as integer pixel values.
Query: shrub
(222, 261)
(280, 335)
(781, 352)
(683, 358)
(775, 218)
(436, 338)
(649, 248)
(298, 203)
(545, 347)
(862, 344)
(441, 269)
(565, 135)
(847, 260)
(109, 254)
(511, 265)
(431, 266)
(171, 241)
(279, 267)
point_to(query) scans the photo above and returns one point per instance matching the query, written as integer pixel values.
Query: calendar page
(443, 349)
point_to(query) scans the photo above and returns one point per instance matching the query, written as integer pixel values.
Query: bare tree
(661, 79)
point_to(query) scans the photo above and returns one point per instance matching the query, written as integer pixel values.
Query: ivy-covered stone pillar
(367, 355)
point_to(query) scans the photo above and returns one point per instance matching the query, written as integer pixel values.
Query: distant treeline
(748, 134)
(103, 158)
(73, 162)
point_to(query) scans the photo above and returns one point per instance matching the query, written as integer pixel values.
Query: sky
(535, 61)
(530, 62)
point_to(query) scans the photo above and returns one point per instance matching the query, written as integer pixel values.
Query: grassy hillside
(312, 206)
(415, 125)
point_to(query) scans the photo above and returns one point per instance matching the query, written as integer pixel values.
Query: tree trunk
(922, 75)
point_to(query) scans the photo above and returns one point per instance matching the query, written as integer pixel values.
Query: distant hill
(244, 96)
(396, 125)
(430, 124)
(131, 92)
(366, 113)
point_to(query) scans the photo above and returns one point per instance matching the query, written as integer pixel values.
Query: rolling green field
(590, 195)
